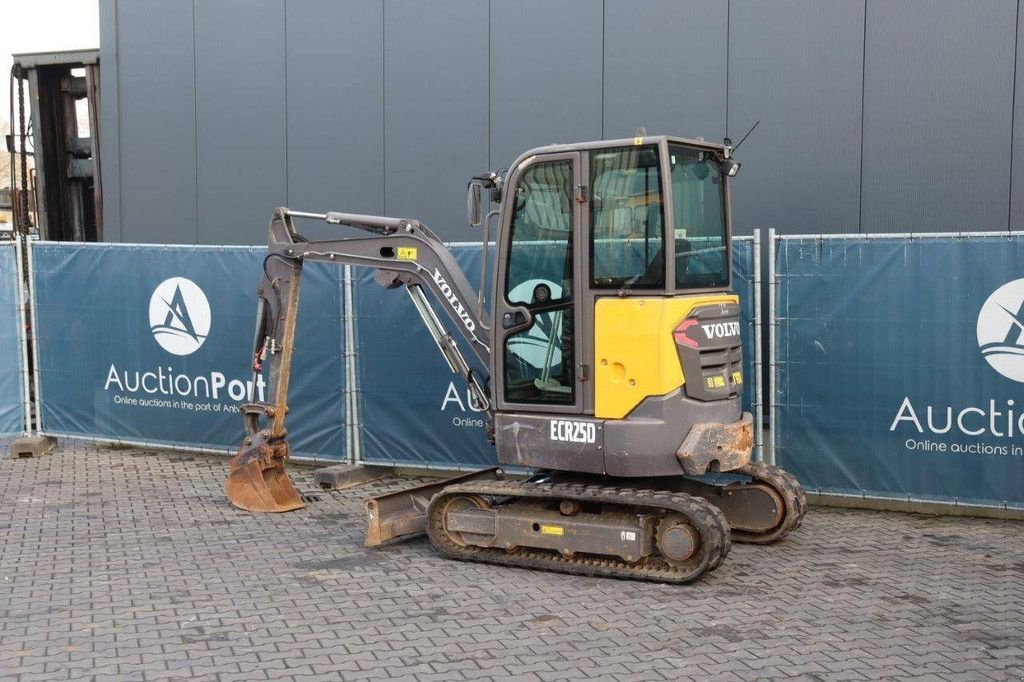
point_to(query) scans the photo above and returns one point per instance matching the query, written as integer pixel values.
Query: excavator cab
(605, 249)
(614, 360)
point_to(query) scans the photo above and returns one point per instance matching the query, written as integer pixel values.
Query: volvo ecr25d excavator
(613, 363)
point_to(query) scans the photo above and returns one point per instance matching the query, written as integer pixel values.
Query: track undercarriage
(670, 530)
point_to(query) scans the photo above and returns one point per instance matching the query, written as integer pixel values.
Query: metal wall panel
(335, 107)
(435, 110)
(157, 98)
(937, 108)
(801, 166)
(939, 84)
(239, 118)
(665, 67)
(110, 143)
(545, 75)
(1017, 179)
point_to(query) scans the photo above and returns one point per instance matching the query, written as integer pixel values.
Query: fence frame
(907, 503)
(772, 363)
(40, 429)
(357, 426)
(353, 437)
(758, 405)
(31, 384)
(353, 422)
(26, 397)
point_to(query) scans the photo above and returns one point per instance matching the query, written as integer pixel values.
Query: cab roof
(640, 140)
(625, 142)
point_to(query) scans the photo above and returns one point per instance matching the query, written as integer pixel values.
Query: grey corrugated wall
(876, 115)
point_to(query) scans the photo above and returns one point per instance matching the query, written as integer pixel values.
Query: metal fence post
(758, 359)
(26, 396)
(353, 440)
(30, 248)
(773, 390)
(347, 373)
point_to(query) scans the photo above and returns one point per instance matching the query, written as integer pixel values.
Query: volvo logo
(1001, 330)
(453, 300)
(721, 330)
(179, 316)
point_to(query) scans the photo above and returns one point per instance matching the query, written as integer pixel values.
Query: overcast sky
(43, 26)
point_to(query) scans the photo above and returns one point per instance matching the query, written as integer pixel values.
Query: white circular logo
(179, 316)
(1001, 330)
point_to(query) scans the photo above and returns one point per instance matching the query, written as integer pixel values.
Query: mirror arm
(474, 194)
(483, 264)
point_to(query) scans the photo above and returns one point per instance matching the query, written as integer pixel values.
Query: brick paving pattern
(130, 564)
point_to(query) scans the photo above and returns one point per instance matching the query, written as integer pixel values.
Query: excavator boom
(406, 254)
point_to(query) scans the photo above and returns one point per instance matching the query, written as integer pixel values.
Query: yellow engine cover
(634, 351)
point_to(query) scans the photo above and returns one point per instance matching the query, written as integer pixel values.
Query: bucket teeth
(258, 481)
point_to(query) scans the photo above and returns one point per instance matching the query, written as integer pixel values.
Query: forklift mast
(65, 187)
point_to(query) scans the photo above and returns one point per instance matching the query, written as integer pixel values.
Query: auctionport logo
(1001, 330)
(179, 316)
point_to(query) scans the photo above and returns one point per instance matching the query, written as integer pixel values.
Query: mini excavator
(614, 366)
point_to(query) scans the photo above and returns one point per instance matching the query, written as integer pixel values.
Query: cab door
(537, 344)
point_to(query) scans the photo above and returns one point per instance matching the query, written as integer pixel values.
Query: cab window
(539, 359)
(626, 219)
(698, 202)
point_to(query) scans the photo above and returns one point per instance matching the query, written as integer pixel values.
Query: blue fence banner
(900, 365)
(412, 410)
(743, 284)
(152, 344)
(12, 369)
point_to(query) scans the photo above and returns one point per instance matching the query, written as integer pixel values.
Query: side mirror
(474, 202)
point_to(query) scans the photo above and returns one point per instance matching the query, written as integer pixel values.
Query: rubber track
(708, 520)
(792, 494)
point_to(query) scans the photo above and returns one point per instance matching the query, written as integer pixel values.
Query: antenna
(747, 135)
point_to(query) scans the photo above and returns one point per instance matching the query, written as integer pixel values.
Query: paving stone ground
(130, 564)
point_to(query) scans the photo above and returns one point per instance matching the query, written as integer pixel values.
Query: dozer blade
(404, 512)
(258, 481)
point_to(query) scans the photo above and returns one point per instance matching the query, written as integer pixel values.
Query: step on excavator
(613, 366)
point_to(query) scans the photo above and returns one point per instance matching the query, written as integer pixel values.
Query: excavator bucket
(258, 481)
